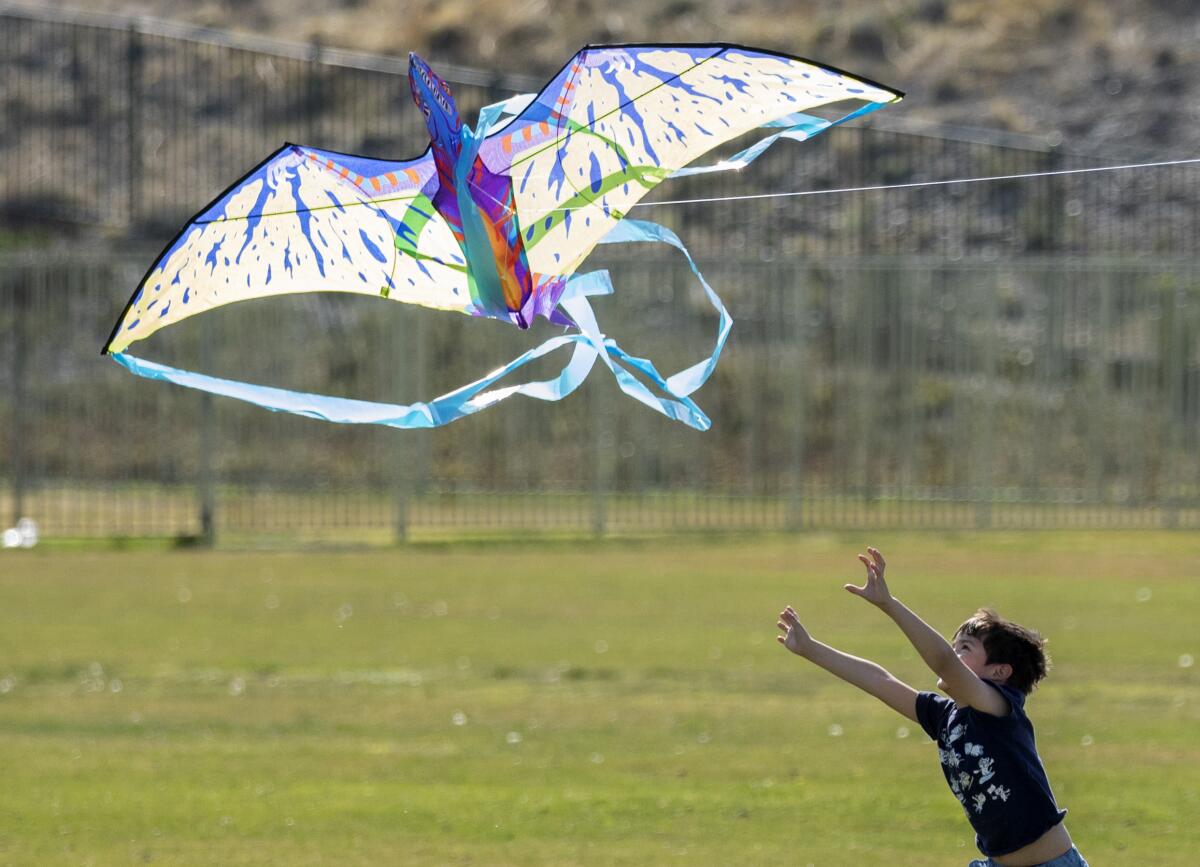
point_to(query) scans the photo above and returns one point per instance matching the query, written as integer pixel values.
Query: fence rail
(1022, 353)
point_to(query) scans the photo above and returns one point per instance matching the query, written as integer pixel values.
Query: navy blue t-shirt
(993, 768)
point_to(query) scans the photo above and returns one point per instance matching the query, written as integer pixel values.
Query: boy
(985, 741)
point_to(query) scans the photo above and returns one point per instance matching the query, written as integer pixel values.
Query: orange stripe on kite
(527, 133)
(392, 179)
(544, 127)
(506, 144)
(413, 175)
(375, 183)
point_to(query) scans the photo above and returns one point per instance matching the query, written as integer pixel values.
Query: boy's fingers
(857, 591)
(878, 558)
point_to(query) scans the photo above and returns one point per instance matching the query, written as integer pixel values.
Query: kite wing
(618, 120)
(306, 220)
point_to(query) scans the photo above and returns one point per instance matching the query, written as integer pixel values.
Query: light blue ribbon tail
(688, 380)
(797, 126)
(442, 410)
(676, 404)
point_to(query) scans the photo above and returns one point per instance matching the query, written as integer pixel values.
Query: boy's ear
(1001, 672)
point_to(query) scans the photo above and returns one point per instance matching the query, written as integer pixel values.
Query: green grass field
(618, 703)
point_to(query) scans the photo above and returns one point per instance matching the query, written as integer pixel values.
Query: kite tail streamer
(589, 344)
(798, 126)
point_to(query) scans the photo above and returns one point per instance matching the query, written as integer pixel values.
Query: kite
(493, 221)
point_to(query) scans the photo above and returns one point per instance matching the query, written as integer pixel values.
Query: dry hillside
(1118, 78)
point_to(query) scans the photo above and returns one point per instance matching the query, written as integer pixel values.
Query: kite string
(917, 184)
(873, 188)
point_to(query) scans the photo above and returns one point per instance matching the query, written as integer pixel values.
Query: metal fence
(1022, 353)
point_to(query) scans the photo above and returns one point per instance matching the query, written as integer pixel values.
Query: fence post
(1098, 391)
(795, 512)
(1176, 361)
(20, 301)
(315, 94)
(601, 447)
(207, 497)
(987, 302)
(420, 333)
(133, 120)
(402, 474)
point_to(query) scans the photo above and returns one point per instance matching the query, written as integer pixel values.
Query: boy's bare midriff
(1047, 847)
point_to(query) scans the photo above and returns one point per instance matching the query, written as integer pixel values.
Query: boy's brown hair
(1009, 643)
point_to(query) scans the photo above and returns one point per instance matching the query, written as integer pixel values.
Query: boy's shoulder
(940, 715)
(1014, 696)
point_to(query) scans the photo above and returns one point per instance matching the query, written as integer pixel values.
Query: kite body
(478, 205)
(492, 221)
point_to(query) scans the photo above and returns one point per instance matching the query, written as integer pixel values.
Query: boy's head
(1002, 650)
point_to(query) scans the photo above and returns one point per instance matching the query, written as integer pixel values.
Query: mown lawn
(618, 703)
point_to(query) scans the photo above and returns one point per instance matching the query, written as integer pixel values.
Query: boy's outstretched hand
(875, 590)
(795, 637)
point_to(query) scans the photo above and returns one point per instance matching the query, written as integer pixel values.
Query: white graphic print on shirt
(968, 777)
(950, 758)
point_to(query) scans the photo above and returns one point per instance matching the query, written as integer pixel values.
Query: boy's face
(974, 656)
(971, 651)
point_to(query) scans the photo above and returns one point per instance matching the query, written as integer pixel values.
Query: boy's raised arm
(959, 682)
(863, 673)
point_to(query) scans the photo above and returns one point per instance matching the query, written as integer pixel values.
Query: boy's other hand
(875, 590)
(795, 637)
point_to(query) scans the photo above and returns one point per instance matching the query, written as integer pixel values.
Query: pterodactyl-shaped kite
(493, 221)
